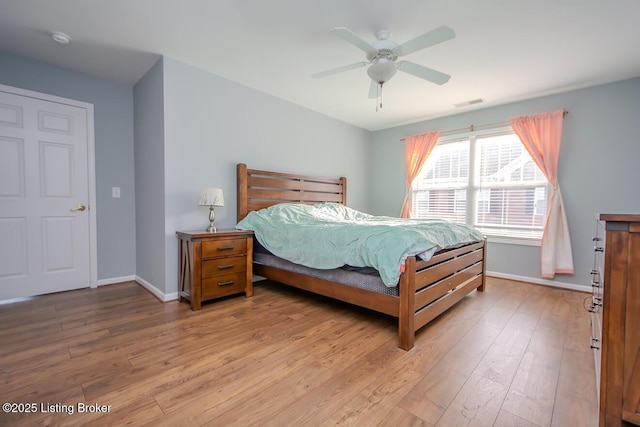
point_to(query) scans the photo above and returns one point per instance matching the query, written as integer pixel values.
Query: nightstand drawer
(226, 247)
(222, 266)
(227, 284)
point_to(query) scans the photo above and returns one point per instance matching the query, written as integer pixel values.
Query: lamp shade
(211, 197)
(382, 71)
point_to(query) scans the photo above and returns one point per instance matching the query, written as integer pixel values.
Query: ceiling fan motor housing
(390, 54)
(385, 47)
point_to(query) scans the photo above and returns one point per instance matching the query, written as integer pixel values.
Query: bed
(425, 289)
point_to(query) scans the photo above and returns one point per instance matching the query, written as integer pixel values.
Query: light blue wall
(598, 167)
(211, 124)
(113, 115)
(193, 127)
(150, 176)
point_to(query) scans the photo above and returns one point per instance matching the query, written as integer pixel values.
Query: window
(487, 180)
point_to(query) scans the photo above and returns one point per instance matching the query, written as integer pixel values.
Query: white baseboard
(173, 296)
(155, 291)
(111, 281)
(538, 281)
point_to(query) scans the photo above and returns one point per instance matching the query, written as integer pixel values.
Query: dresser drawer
(223, 266)
(226, 284)
(226, 247)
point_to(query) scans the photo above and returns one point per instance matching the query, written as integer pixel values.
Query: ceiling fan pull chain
(378, 97)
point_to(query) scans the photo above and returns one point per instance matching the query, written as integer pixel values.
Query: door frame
(91, 168)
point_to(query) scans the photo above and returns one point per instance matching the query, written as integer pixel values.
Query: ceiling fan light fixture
(382, 70)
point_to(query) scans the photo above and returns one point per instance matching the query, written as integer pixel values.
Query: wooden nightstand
(214, 265)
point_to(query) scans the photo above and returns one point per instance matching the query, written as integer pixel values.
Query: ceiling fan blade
(347, 35)
(423, 72)
(431, 38)
(373, 89)
(338, 70)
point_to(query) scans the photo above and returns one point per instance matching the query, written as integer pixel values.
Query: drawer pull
(225, 248)
(230, 282)
(225, 267)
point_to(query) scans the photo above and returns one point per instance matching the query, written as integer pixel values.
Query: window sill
(514, 241)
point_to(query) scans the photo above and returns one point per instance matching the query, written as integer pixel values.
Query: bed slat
(438, 307)
(297, 184)
(297, 196)
(443, 256)
(439, 271)
(282, 176)
(440, 288)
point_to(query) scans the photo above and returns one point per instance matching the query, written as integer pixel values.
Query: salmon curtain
(416, 150)
(541, 134)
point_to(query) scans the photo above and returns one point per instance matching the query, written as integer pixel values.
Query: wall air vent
(468, 103)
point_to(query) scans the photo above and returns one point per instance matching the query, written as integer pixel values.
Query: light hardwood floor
(515, 355)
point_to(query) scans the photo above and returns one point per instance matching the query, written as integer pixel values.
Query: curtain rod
(471, 128)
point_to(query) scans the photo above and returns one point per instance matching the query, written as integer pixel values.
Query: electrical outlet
(115, 192)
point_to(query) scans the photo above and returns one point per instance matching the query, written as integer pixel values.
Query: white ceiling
(504, 50)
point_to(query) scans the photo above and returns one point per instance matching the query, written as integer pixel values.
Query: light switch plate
(115, 192)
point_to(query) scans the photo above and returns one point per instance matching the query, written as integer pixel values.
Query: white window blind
(440, 190)
(512, 189)
(486, 180)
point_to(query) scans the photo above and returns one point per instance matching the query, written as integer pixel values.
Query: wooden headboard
(259, 189)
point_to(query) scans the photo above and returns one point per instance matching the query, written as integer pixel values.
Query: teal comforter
(330, 235)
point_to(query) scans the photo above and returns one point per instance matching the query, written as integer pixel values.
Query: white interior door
(44, 197)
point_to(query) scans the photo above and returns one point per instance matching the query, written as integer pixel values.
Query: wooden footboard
(429, 288)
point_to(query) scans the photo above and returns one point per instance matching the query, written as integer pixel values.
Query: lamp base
(212, 217)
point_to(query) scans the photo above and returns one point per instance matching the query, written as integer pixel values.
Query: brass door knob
(79, 208)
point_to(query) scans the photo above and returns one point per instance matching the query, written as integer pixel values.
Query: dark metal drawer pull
(230, 282)
(225, 248)
(225, 267)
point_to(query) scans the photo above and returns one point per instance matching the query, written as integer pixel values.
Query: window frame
(473, 186)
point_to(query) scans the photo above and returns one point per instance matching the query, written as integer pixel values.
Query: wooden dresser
(620, 362)
(595, 307)
(214, 265)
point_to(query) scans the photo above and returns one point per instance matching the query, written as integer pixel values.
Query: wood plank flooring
(515, 355)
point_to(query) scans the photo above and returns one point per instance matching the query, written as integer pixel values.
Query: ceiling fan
(383, 53)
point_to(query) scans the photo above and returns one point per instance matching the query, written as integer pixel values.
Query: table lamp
(211, 197)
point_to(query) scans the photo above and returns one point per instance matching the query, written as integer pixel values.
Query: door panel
(56, 170)
(11, 167)
(10, 115)
(57, 244)
(13, 251)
